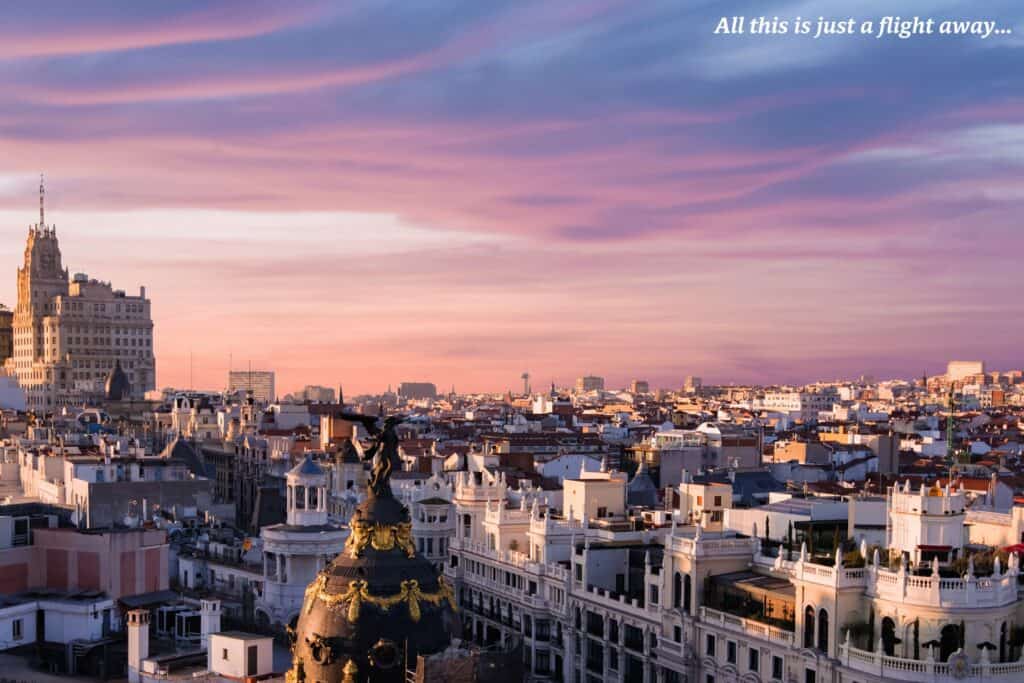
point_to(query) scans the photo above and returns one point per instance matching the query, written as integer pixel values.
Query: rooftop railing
(927, 670)
(935, 591)
(748, 627)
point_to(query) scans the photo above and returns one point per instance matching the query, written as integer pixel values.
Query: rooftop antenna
(42, 193)
(950, 452)
(526, 383)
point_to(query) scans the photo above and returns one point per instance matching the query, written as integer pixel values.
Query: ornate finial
(42, 193)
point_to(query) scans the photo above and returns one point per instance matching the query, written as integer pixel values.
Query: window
(709, 648)
(810, 676)
(677, 634)
(730, 651)
(602, 512)
(224, 654)
(718, 501)
(16, 629)
(754, 660)
(777, 668)
(653, 594)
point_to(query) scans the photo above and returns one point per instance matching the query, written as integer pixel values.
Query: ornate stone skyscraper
(69, 333)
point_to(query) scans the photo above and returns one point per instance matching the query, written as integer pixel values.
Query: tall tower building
(70, 333)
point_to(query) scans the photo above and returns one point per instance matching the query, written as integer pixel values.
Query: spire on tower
(42, 193)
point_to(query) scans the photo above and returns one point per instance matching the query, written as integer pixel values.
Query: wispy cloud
(463, 190)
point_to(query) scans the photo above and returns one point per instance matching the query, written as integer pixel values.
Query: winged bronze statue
(385, 444)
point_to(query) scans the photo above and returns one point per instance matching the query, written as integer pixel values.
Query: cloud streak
(554, 187)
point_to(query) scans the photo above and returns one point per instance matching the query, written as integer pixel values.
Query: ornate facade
(294, 552)
(69, 333)
(613, 599)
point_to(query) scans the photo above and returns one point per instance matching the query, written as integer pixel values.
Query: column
(647, 655)
(606, 627)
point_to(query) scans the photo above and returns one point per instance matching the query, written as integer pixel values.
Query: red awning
(1019, 548)
(936, 548)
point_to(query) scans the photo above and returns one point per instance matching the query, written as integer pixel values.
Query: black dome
(376, 606)
(118, 387)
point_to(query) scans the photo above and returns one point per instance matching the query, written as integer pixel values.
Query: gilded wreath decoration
(358, 593)
(380, 537)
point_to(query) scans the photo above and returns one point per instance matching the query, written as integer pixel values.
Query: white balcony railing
(748, 627)
(935, 591)
(926, 670)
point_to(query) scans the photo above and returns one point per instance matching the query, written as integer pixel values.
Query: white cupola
(307, 494)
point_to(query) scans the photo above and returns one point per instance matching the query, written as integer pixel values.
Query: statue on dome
(383, 452)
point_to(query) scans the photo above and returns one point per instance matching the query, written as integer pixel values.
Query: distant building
(692, 384)
(639, 386)
(589, 383)
(6, 333)
(417, 391)
(67, 335)
(958, 370)
(803, 405)
(259, 382)
(317, 394)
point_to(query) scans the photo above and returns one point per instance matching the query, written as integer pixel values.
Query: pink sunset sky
(374, 192)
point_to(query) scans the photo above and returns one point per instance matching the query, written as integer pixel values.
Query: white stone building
(70, 333)
(295, 551)
(608, 600)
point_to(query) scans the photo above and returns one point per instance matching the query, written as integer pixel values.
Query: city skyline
(522, 187)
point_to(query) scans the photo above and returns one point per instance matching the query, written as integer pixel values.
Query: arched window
(889, 639)
(677, 590)
(823, 630)
(687, 593)
(1003, 654)
(809, 627)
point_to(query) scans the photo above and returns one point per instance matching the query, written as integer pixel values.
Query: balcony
(997, 590)
(748, 627)
(924, 671)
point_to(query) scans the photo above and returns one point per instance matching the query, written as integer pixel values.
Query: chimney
(209, 622)
(138, 642)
